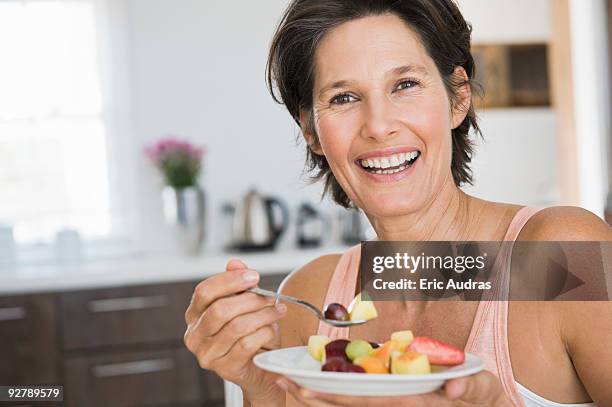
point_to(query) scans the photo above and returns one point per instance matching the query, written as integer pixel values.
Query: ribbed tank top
(488, 337)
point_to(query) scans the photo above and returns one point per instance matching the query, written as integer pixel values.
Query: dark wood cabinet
(28, 340)
(122, 316)
(125, 379)
(114, 346)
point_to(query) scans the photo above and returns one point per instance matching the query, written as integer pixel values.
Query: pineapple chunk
(316, 346)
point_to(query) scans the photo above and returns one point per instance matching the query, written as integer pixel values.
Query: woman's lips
(392, 177)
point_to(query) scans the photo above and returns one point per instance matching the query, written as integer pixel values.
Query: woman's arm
(586, 326)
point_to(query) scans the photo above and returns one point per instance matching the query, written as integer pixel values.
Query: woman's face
(382, 115)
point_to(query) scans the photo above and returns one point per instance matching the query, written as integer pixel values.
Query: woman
(382, 92)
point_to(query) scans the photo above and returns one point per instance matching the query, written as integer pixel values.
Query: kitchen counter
(146, 270)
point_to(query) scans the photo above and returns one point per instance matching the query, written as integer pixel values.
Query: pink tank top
(488, 337)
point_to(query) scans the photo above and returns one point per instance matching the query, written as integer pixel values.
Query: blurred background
(100, 250)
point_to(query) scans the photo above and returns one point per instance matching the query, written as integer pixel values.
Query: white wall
(515, 21)
(197, 70)
(516, 162)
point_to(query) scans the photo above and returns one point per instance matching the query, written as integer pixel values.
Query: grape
(358, 348)
(336, 312)
(352, 368)
(336, 349)
(335, 364)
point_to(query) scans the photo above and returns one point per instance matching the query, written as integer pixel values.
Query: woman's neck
(447, 216)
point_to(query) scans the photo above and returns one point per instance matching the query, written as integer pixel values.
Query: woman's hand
(227, 326)
(482, 389)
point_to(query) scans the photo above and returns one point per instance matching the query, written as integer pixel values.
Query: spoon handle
(287, 298)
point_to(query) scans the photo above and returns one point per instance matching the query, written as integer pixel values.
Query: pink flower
(178, 160)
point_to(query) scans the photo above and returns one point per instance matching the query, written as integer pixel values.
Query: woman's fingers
(243, 326)
(219, 286)
(235, 362)
(200, 331)
(235, 264)
(481, 388)
(209, 349)
(311, 398)
(226, 309)
(303, 396)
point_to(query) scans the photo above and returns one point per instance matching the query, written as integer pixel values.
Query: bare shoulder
(565, 223)
(574, 318)
(309, 283)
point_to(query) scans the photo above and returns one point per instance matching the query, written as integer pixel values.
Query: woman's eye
(406, 85)
(342, 99)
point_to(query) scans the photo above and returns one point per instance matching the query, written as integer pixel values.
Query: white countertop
(146, 270)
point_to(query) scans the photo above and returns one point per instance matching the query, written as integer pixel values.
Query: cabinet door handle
(130, 368)
(129, 303)
(12, 313)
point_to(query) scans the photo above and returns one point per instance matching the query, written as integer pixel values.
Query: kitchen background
(93, 278)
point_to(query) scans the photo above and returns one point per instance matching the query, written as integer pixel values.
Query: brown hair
(290, 68)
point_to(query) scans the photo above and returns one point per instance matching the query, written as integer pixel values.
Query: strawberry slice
(438, 352)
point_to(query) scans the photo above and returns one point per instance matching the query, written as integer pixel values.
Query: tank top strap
(519, 221)
(341, 289)
(489, 334)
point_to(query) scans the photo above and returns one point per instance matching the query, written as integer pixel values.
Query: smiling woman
(382, 91)
(440, 33)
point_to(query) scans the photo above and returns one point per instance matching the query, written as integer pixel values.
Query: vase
(184, 212)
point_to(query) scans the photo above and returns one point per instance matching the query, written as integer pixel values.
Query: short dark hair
(290, 68)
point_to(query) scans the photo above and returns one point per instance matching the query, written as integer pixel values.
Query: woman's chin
(390, 205)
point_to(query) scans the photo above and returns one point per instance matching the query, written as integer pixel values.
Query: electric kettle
(255, 224)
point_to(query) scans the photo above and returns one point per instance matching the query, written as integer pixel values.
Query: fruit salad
(360, 309)
(401, 354)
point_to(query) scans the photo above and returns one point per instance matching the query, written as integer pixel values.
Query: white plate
(299, 366)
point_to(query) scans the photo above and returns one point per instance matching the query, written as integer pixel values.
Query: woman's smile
(388, 165)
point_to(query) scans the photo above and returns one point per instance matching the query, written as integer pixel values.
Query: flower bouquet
(177, 160)
(180, 163)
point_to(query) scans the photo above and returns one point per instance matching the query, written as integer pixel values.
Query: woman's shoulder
(565, 223)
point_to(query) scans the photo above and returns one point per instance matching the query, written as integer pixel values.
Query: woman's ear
(463, 97)
(307, 132)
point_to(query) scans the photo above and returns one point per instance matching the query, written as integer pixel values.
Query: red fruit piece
(353, 368)
(336, 349)
(336, 312)
(335, 364)
(438, 352)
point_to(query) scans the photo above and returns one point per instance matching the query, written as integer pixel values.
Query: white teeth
(389, 161)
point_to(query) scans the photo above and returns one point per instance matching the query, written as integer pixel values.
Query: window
(53, 141)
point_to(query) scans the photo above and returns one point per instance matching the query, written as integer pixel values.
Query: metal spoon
(308, 306)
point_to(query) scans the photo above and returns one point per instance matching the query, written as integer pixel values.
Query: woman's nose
(378, 119)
